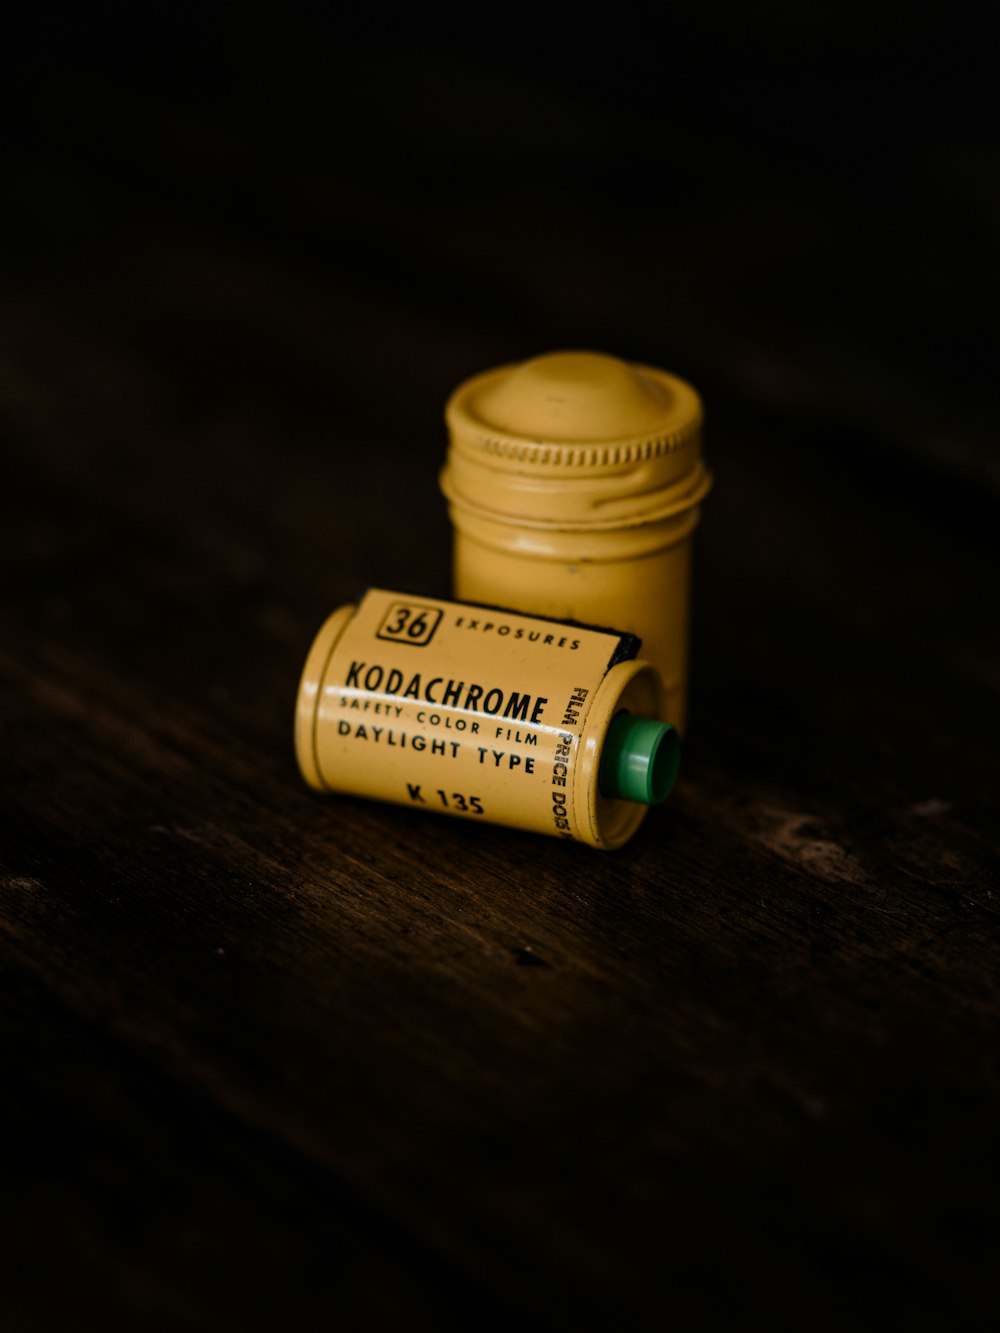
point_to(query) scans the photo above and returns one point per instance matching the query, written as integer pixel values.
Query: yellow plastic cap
(575, 437)
(577, 397)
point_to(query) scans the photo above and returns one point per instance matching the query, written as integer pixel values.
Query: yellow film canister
(574, 483)
(486, 715)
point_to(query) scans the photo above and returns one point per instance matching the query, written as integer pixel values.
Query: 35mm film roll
(486, 715)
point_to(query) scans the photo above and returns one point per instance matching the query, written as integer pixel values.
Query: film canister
(574, 483)
(485, 714)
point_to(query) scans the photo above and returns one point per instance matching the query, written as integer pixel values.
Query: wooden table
(275, 1060)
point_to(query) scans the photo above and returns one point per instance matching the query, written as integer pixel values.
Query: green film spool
(640, 759)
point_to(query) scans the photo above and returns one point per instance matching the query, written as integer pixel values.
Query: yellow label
(461, 709)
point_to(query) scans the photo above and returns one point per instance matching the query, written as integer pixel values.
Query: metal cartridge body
(487, 715)
(574, 483)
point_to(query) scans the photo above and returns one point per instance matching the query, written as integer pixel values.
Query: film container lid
(575, 439)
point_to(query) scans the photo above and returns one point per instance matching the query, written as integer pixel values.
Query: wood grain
(280, 1059)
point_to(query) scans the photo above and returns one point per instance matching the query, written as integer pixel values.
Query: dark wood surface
(274, 1060)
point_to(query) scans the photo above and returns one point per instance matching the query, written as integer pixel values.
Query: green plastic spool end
(640, 760)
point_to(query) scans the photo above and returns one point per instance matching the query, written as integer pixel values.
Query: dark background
(803, 203)
(279, 1060)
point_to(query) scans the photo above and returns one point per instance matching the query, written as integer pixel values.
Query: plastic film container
(486, 715)
(574, 483)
